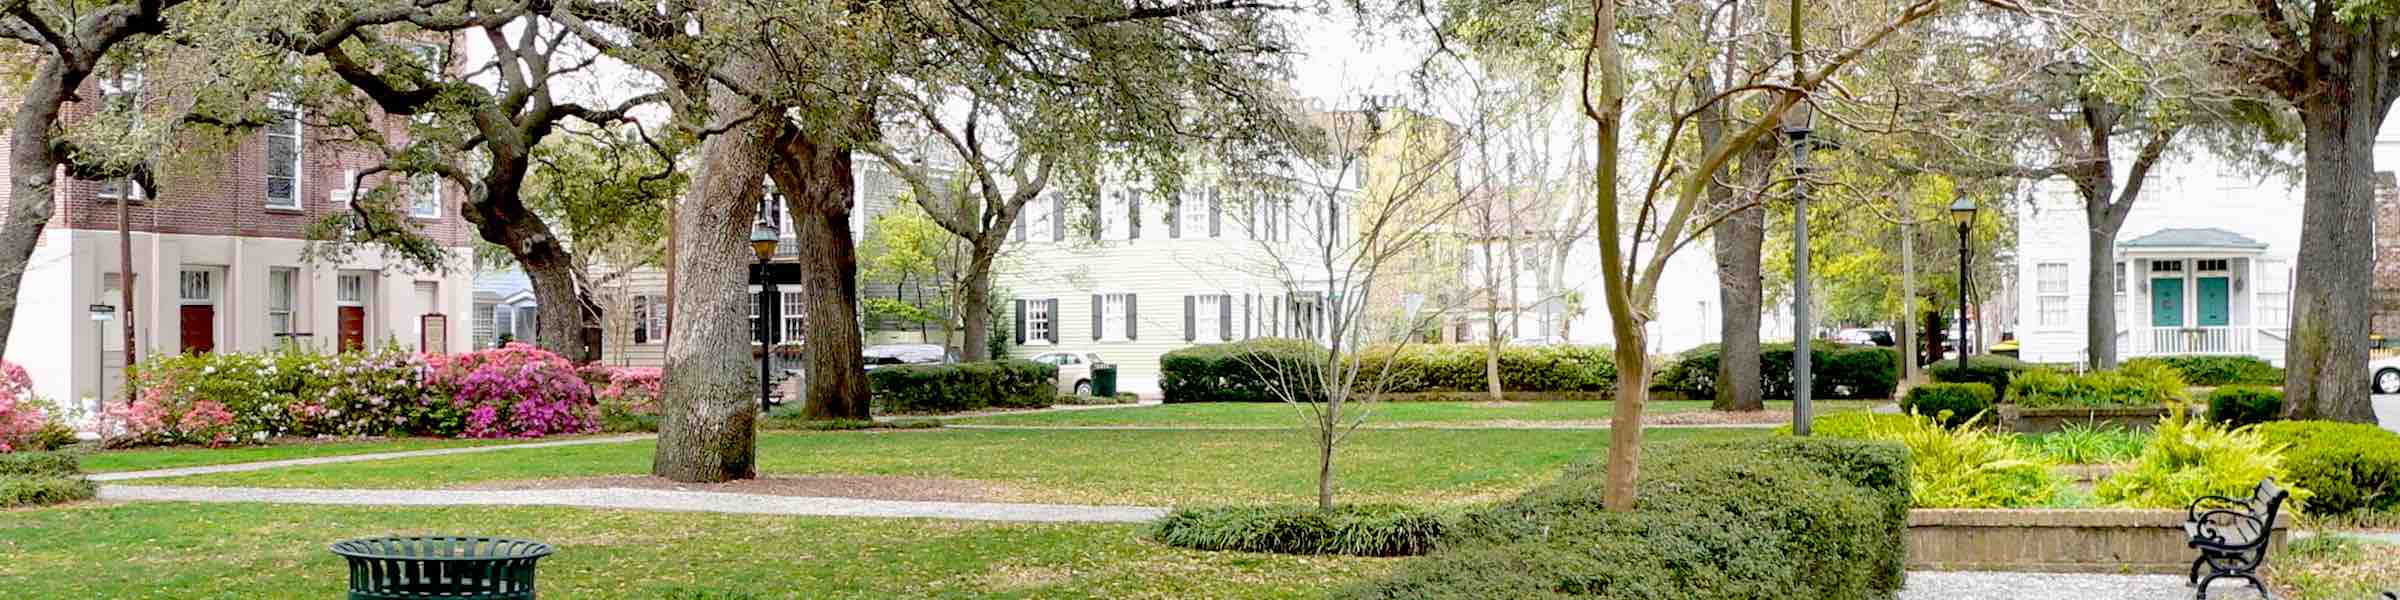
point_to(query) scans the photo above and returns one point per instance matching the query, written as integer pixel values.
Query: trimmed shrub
(1235, 372)
(2351, 467)
(517, 390)
(1246, 371)
(2150, 384)
(1855, 425)
(790, 419)
(1767, 518)
(2215, 370)
(1354, 530)
(628, 396)
(2239, 405)
(1837, 371)
(1988, 369)
(41, 491)
(949, 388)
(2188, 458)
(39, 464)
(280, 393)
(1962, 401)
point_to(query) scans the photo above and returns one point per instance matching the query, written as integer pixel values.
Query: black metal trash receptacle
(1104, 380)
(450, 567)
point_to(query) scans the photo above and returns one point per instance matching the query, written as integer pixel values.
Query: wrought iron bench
(446, 567)
(2233, 535)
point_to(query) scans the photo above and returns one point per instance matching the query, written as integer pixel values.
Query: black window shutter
(1021, 322)
(1052, 335)
(1275, 316)
(1190, 303)
(1224, 318)
(1216, 214)
(1097, 300)
(1133, 319)
(1175, 215)
(1099, 223)
(1133, 216)
(1058, 227)
(1017, 230)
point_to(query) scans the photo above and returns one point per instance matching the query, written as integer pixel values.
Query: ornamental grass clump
(516, 390)
(2143, 384)
(1353, 530)
(2188, 458)
(2084, 444)
(1968, 467)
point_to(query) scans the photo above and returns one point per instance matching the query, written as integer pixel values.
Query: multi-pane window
(425, 195)
(795, 305)
(1113, 213)
(1113, 315)
(1037, 320)
(283, 285)
(2051, 283)
(2166, 266)
(2274, 294)
(2212, 264)
(196, 286)
(2120, 303)
(1194, 219)
(504, 322)
(350, 289)
(1205, 312)
(283, 156)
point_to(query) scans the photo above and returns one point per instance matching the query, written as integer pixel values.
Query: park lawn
(181, 550)
(2334, 567)
(143, 459)
(1097, 466)
(1401, 414)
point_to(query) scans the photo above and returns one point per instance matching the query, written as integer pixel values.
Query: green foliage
(2351, 467)
(2240, 405)
(2135, 385)
(1954, 403)
(607, 192)
(44, 490)
(1992, 370)
(615, 419)
(904, 247)
(1354, 530)
(947, 388)
(2084, 444)
(1246, 371)
(1758, 518)
(2188, 458)
(2216, 370)
(1856, 425)
(790, 419)
(1837, 371)
(38, 464)
(1965, 467)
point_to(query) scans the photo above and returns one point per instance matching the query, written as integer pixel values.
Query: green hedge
(1964, 401)
(1355, 530)
(1836, 371)
(2134, 385)
(41, 478)
(1764, 518)
(39, 464)
(2349, 466)
(948, 388)
(2215, 371)
(2238, 405)
(1247, 371)
(1992, 370)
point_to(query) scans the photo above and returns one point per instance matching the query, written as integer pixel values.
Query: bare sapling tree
(1344, 245)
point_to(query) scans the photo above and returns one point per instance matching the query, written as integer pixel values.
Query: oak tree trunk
(975, 309)
(819, 175)
(33, 167)
(709, 411)
(1740, 296)
(2330, 301)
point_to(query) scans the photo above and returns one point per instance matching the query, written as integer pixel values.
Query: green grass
(174, 550)
(1154, 468)
(2334, 567)
(105, 461)
(1275, 414)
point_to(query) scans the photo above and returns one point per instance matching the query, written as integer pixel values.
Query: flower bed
(25, 421)
(222, 398)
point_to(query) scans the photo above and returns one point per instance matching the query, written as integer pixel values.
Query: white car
(2383, 375)
(1074, 370)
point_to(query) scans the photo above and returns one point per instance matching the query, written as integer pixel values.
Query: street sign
(102, 312)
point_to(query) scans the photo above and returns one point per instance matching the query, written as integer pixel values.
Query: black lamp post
(1962, 213)
(1797, 126)
(762, 242)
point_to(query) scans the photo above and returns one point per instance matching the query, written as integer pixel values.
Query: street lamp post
(762, 242)
(1796, 125)
(1962, 213)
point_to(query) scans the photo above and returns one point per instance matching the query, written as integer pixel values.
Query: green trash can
(449, 567)
(1104, 380)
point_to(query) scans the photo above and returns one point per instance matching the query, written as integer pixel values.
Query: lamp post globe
(762, 243)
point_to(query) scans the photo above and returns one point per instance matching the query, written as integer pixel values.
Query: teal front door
(2215, 301)
(2166, 302)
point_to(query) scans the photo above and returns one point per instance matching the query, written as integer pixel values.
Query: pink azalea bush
(516, 390)
(635, 388)
(21, 418)
(167, 410)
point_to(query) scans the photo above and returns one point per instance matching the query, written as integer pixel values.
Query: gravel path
(328, 460)
(1976, 585)
(639, 499)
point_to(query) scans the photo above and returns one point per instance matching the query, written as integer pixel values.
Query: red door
(199, 328)
(354, 327)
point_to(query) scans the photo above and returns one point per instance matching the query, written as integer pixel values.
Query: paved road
(2387, 410)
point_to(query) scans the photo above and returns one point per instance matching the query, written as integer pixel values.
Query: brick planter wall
(2045, 420)
(2056, 540)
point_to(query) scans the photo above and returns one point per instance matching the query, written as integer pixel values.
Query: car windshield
(903, 353)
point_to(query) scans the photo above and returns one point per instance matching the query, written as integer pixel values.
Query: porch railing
(2153, 341)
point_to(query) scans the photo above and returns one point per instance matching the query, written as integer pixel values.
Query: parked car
(881, 355)
(1074, 370)
(2383, 375)
(1866, 337)
(1539, 340)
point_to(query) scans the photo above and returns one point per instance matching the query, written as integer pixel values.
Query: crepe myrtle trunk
(708, 415)
(976, 307)
(819, 174)
(2330, 300)
(33, 168)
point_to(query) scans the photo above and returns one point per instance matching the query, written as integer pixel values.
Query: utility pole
(125, 195)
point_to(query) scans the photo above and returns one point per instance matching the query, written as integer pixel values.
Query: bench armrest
(2197, 509)
(2207, 527)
